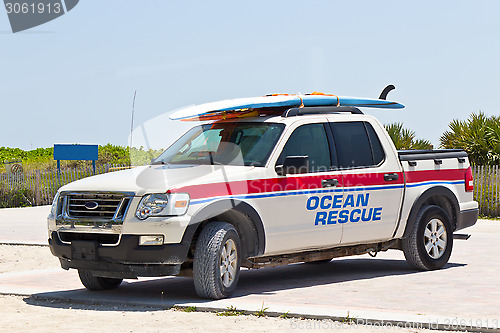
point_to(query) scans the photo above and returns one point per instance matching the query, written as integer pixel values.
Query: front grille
(68, 237)
(99, 206)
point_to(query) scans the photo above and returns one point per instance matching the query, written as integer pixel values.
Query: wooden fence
(35, 188)
(487, 189)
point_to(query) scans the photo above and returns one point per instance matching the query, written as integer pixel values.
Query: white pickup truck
(309, 185)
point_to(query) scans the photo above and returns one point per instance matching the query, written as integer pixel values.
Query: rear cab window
(357, 145)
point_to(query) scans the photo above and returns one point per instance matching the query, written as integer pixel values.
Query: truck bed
(431, 154)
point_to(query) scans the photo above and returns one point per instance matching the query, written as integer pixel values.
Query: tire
(211, 258)
(429, 245)
(92, 282)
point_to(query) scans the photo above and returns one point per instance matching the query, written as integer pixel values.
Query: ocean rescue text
(331, 209)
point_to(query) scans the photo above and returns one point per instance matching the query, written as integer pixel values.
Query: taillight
(469, 180)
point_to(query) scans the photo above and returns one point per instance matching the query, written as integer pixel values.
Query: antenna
(132, 124)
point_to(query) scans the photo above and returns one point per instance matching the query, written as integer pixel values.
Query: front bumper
(125, 260)
(467, 218)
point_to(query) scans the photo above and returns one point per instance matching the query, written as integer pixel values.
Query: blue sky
(72, 80)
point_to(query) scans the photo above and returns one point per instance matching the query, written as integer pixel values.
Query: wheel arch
(241, 215)
(438, 196)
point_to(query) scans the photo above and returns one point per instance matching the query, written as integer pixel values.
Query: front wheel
(92, 282)
(216, 266)
(429, 244)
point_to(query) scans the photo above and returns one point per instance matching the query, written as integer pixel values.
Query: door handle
(329, 182)
(389, 177)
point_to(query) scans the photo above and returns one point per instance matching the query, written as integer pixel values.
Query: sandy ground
(18, 258)
(28, 314)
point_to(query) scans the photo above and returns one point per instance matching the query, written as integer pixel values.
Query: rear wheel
(96, 282)
(216, 266)
(430, 242)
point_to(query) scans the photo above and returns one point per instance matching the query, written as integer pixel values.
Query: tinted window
(377, 151)
(357, 144)
(309, 140)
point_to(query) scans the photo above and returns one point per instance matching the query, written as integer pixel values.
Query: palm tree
(404, 138)
(479, 136)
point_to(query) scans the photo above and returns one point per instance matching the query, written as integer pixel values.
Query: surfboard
(273, 104)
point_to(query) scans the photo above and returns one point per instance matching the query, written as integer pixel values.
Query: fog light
(150, 240)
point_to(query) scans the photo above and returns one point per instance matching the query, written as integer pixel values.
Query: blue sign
(76, 152)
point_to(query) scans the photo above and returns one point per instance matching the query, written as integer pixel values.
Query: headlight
(53, 209)
(161, 204)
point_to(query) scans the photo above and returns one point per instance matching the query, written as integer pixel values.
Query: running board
(316, 255)
(461, 236)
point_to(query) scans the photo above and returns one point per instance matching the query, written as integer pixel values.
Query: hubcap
(435, 238)
(228, 263)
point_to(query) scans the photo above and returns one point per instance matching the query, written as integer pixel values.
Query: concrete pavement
(24, 225)
(463, 295)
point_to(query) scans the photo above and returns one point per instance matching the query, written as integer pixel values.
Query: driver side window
(309, 140)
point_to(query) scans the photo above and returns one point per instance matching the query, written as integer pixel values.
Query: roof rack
(319, 110)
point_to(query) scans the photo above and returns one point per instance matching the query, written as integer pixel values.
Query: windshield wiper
(159, 162)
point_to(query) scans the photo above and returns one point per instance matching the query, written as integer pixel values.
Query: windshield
(238, 143)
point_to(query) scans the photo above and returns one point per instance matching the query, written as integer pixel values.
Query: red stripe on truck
(254, 186)
(426, 175)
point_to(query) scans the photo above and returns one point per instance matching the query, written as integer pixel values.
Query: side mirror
(293, 165)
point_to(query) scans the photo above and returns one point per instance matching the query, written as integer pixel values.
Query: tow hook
(461, 236)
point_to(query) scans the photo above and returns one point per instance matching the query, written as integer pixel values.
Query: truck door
(372, 180)
(301, 215)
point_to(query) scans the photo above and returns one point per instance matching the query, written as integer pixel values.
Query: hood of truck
(161, 178)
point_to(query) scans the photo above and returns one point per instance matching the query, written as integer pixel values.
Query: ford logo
(91, 205)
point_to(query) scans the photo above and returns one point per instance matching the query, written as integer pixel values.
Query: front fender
(242, 215)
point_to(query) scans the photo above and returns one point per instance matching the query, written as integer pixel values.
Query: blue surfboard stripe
(291, 103)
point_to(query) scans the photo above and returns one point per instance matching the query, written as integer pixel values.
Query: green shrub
(15, 197)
